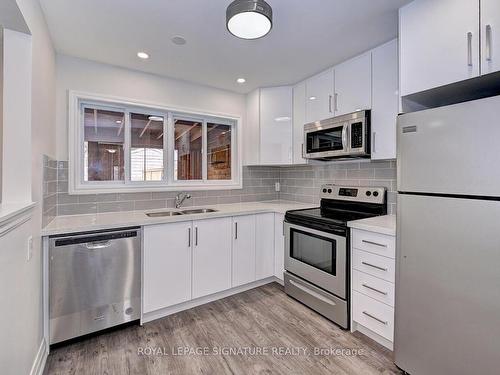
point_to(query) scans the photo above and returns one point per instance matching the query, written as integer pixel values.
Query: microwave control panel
(357, 135)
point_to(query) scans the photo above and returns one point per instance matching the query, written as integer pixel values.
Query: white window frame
(77, 186)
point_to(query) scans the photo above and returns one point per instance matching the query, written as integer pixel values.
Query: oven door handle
(345, 144)
(312, 293)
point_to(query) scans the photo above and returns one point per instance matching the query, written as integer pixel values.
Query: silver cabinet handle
(374, 243)
(312, 293)
(195, 236)
(488, 42)
(374, 266)
(375, 318)
(373, 142)
(336, 102)
(374, 289)
(330, 103)
(469, 48)
(236, 230)
(189, 237)
(98, 245)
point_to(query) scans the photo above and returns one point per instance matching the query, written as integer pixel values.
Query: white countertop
(84, 223)
(380, 224)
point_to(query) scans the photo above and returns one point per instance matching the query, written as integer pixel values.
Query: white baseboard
(40, 359)
(374, 336)
(148, 317)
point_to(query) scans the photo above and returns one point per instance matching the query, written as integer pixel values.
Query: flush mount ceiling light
(179, 40)
(241, 80)
(249, 19)
(155, 118)
(142, 55)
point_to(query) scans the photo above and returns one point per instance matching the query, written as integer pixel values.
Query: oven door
(326, 141)
(317, 257)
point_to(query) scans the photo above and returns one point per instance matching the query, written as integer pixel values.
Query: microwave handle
(345, 136)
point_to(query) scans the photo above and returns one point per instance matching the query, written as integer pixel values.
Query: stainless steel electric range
(317, 246)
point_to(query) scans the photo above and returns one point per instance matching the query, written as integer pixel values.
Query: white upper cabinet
(385, 101)
(299, 120)
(319, 96)
(167, 265)
(276, 125)
(268, 130)
(211, 256)
(490, 36)
(439, 43)
(353, 86)
(243, 250)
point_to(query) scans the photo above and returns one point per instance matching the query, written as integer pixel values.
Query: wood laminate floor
(261, 331)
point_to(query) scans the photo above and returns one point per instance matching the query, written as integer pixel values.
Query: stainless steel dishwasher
(94, 282)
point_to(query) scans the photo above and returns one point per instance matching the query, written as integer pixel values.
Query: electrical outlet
(30, 248)
(277, 186)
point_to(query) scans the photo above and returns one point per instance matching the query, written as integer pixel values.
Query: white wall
(83, 75)
(21, 281)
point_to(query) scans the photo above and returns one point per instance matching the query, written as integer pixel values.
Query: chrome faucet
(180, 198)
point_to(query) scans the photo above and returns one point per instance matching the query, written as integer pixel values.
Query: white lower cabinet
(372, 283)
(264, 245)
(279, 246)
(211, 256)
(243, 250)
(167, 265)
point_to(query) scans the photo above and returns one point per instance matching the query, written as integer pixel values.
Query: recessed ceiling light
(155, 118)
(118, 121)
(241, 80)
(282, 119)
(249, 19)
(142, 55)
(111, 151)
(179, 40)
(312, 98)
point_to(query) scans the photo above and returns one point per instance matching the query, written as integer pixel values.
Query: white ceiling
(307, 37)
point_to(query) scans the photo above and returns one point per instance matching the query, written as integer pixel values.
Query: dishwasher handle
(98, 245)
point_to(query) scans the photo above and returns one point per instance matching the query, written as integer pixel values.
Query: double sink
(182, 212)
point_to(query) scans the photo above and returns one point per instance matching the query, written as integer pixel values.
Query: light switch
(30, 248)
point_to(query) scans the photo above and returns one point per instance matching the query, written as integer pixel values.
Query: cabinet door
(167, 265)
(279, 246)
(264, 245)
(319, 96)
(243, 250)
(211, 256)
(490, 36)
(439, 43)
(276, 125)
(251, 130)
(385, 101)
(353, 85)
(299, 120)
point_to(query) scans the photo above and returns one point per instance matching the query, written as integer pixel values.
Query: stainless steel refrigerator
(448, 240)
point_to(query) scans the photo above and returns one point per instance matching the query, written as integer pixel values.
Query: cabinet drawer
(374, 287)
(374, 315)
(374, 243)
(373, 264)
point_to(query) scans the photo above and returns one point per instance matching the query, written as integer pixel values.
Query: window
(118, 145)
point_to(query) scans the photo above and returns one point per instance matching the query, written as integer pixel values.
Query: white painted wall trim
(40, 359)
(13, 216)
(148, 317)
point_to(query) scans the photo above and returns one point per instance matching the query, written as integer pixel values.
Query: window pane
(146, 153)
(103, 145)
(219, 151)
(188, 150)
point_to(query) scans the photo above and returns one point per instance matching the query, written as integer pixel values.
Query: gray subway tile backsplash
(298, 183)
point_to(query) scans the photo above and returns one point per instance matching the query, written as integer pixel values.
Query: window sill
(85, 190)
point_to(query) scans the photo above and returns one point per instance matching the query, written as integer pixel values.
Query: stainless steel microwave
(346, 136)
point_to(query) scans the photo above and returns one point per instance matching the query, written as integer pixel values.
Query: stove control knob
(329, 191)
(368, 193)
(375, 193)
(324, 190)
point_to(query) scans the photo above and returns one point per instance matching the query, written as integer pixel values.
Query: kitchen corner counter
(91, 222)
(380, 224)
